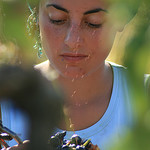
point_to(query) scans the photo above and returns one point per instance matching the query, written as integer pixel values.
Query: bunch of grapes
(57, 142)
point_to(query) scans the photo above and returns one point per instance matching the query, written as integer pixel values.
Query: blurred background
(16, 46)
(131, 49)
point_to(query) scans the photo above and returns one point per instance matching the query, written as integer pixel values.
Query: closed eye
(57, 22)
(91, 25)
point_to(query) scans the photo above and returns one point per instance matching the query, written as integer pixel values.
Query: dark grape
(80, 147)
(54, 141)
(65, 141)
(60, 135)
(58, 142)
(88, 144)
(72, 145)
(75, 139)
(66, 147)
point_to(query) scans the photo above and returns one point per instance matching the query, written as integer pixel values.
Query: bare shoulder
(42, 66)
(46, 70)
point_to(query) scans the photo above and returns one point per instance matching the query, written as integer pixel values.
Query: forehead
(77, 5)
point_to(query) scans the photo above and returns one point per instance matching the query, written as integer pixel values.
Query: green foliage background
(14, 38)
(131, 49)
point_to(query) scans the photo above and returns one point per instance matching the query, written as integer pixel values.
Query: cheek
(51, 37)
(101, 41)
(99, 45)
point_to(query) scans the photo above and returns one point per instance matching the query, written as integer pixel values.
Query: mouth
(71, 57)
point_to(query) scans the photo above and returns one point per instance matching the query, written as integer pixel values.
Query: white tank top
(108, 130)
(117, 118)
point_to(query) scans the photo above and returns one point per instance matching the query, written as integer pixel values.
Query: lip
(71, 57)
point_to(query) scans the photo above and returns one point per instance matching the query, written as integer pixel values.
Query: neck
(89, 89)
(86, 98)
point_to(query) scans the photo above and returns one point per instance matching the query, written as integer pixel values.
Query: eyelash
(61, 22)
(91, 25)
(57, 22)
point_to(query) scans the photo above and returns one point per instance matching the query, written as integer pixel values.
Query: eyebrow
(85, 13)
(95, 11)
(57, 7)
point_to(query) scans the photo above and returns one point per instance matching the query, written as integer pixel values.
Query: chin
(72, 74)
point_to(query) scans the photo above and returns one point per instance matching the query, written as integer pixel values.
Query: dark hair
(123, 9)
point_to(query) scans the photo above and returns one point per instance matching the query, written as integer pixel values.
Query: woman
(77, 37)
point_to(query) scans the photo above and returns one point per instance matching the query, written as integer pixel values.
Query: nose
(73, 37)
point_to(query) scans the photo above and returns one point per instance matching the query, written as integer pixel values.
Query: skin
(75, 36)
(77, 44)
(67, 28)
(23, 146)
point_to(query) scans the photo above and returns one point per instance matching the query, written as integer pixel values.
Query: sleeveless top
(118, 117)
(108, 130)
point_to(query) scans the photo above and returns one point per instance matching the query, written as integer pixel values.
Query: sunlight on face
(76, 35)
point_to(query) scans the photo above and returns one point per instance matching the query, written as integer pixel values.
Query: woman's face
(76, 35)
